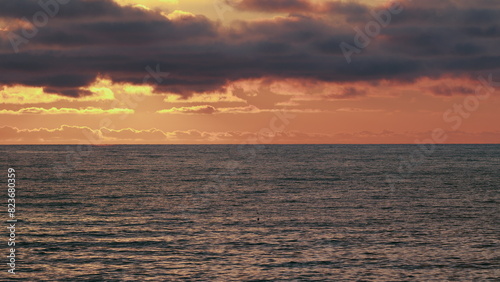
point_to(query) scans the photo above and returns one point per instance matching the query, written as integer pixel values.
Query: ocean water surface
(266, 213)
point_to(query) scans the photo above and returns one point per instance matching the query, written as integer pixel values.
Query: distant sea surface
(265, 213)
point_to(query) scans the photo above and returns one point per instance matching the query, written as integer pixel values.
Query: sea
(252, 213)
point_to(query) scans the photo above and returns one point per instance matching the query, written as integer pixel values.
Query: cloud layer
(60, 111)
(83, 40)
(85, 135)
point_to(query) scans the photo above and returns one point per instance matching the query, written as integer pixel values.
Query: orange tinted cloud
(216, 97)
(128, 134)
(190, 110)
(207, 109)
(358, 110)
(77, 134)
(63, 134)
(85, 135)
(59, 111)
(35, 95)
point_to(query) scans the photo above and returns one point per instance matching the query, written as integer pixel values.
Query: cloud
(78, 134)
(59, 111)
(188, 135)
(358, 11)
(189, 110)
(132, 134)
(209, 110)
(446, 90)
(241, 110)
(85, 135)
(273, 6)
(64, 133)
(359, 110)
(448, 86)
(88, 39)
(33, 95)
(350, 8)
(204, 98)
(346, 93)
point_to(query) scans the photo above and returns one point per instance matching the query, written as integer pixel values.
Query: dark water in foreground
(285, 213)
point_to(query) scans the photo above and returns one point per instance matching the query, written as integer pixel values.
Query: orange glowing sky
(246, 71)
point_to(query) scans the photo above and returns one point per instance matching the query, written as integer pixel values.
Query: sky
(249, 71)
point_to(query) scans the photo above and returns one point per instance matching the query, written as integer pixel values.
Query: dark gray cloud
(446, 90)
(68, 9)
(89, 38)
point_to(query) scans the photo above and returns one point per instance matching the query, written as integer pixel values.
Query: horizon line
(252, 144)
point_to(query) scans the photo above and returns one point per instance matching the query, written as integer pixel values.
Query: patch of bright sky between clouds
(209, 8)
